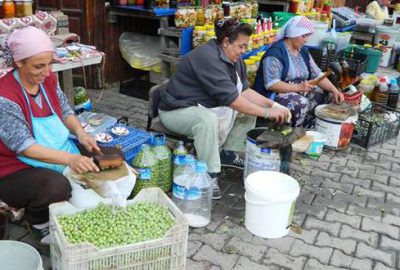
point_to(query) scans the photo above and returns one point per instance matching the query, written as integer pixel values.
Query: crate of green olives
(150, 233)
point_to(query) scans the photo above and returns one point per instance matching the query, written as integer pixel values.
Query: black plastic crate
(357, 62)
(322, 57)
(373, 127)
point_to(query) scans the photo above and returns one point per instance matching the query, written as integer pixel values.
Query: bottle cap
(201, 167)
(159, 140)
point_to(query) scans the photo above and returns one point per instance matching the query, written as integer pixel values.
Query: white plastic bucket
(260, 158)
(337, 132)
(315, 38)
(386, 35)
(18, 255)
(315, 148)
(270, 202)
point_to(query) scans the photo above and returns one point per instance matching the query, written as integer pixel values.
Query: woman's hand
(279, 113)
(337, 96)
(304, 87)
(88, 142)
(82, 164)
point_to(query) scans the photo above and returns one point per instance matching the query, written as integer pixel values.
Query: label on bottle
(144, 174)
(184, 193)
(179, 159)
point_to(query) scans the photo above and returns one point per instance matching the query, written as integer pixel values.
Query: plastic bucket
(315, 148)
(270, 202)
(373, 58)
(18, 255)
(386, 35)
(259, 158)
(338, 132)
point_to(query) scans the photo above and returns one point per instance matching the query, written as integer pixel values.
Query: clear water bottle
(193, 195)
(164, 166)
(179, 153)
(393, 94)
(186, 166)
(145, 164)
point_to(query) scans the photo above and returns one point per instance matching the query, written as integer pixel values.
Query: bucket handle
(261, 203)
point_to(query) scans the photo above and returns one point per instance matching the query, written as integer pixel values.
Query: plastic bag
(141, 51)
(117, 190)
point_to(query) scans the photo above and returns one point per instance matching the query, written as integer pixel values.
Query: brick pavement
(348, 208)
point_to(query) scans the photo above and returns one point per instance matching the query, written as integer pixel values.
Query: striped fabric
(295, 27)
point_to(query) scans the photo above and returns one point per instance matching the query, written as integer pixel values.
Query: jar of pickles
(209, 35)
(254, 8)
(199, 36)
(200, 18)
(23, 8)
(8, 9)
(251, 71)
(258, 41)
(185, 17)
(248, 10)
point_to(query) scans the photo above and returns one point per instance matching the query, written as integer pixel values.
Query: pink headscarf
(27, 42)
(295, 27)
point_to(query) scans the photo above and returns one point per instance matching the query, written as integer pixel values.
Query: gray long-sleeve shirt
(14, 129)
(206, 77)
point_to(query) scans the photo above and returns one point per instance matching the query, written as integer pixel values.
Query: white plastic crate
(160, 254)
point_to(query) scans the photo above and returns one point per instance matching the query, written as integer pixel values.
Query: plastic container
(186, 167)
(357, 62)
(251, 70)
(259, 158)
(338, 132)
(96, 122)
(320, 30)
(129, 144)
(315, 148)
(386, 35)
(270, 203)
(18, 255)
(145, 164)
(193, 195)
(178, 155)
(167, 253)
(381, 96)
(164, 162)
(373, 56)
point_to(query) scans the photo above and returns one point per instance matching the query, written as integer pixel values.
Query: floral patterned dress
(301, 105)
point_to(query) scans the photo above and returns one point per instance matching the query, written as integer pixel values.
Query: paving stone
(394, 181)
(283, 260)
(308, 236)
(392, 198)
(353, 221)
(355, 181)
(253, 251)
(381, 266)
(193, 247)
(352, 171)
(306, 196)
(385, 188)
(387, 243)
(207, 253)
(363, 175)
(228, 227)
(215, 222)
(348, 246)
(360, 167)
(385, 152)
(349, 199)
(346, 188)
(300, 168)
(364, 212)
(313, 264)
(368, 252)
(368, 224)
(282, 244)
(299, 248)
(338, 205)
(385, 208)
(363, 192)
(216, 240)
(322, 173)
(194, 265)
(245, 264)
(392, 220)
(299, 218)
(311, 210)
(335, 160)
(371, 238)
(339, 259)
(330, 227)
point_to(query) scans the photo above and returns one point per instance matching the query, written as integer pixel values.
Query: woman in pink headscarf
(35, 124)
(286, 69)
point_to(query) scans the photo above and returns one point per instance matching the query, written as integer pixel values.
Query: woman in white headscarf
(286, 69)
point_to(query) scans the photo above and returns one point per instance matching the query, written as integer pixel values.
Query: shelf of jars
(15, 9)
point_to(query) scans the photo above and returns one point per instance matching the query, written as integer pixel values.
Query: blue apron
(49, 132)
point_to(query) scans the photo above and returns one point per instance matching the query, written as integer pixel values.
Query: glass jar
(256, 59)
(1, 9)
(28, 10)
(258, 41)
(192, 17)
(248, 10)
(8, 9)
(123, 2)
(131, 2)
(181, 18)
(199, 36)
(254, 9)
(251, 71)
(209, 35)
(200, 18)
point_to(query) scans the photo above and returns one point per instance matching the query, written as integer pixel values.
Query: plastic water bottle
(186, 166)
(193, 195)
(164, 166)
(393, 94)
(178, 155)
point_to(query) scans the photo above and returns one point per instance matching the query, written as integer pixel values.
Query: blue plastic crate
(129, 144)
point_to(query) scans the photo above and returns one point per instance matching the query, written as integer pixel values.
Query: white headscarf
(295, 27)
